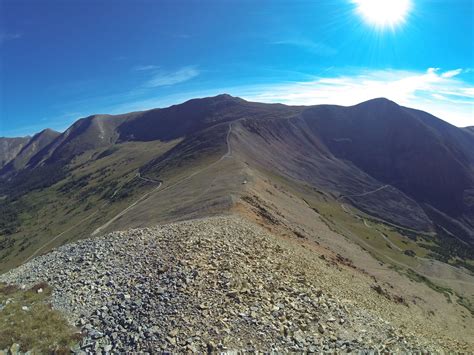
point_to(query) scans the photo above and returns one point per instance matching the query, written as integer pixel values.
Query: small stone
(211, 347)
(94, 334)
(154, 329)
(40, 290)
(107, 348)
(192, 348)
(321, 328)
(25, 308)
(15, 349)
(298, 337)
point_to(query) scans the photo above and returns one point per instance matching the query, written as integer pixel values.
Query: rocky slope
(218, 284)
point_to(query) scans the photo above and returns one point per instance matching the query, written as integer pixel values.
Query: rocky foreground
(217, 284)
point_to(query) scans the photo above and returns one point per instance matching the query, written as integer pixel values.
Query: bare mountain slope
(10, 147)
(34, 145)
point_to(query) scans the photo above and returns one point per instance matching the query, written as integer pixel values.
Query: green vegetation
(448, 248)
(413, 275)
(464, 302)
(464, 264)
(26, 318)
(26, 180)
(10, 216)
(409, 252)
(107, 152)
(91, 192)
(75, 183)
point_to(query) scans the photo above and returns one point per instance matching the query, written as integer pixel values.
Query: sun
(384, 13)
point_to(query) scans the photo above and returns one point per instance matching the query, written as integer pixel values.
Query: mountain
(401, 165)
(377, 195)
(421, 167)
(10, 147)
(35, 144)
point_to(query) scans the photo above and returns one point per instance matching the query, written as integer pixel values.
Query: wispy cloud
(451, 73)
(443, 94)
(318, 48)
(4, 36)
(167, 78)
(145, 67)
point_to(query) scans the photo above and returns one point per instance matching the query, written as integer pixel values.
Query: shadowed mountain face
(402, 165)
(426, 158)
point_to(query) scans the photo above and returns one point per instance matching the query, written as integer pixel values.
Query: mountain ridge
(425, 166)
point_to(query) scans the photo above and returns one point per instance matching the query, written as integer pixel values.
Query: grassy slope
(35, 328)
(82, 201)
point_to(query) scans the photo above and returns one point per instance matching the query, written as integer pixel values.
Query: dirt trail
(421, 259)
(37, 251)
(365, 193)
(228, 154)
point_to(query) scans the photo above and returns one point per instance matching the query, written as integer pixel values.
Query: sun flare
(384, 13)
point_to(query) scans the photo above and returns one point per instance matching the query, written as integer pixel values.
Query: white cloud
(166, 78)
(439, 93)
(451, 73)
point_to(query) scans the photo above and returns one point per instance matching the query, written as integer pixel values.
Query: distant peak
(380, 103)
(49, 131)
(379, 100)
(46, 132)
(214, 99)
(226, 97)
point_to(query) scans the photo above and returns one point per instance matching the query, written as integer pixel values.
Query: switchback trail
(347, 210)
(365, 193)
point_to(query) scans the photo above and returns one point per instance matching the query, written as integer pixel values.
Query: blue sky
(62, 60)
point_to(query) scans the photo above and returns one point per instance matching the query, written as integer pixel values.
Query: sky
(65, 59)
